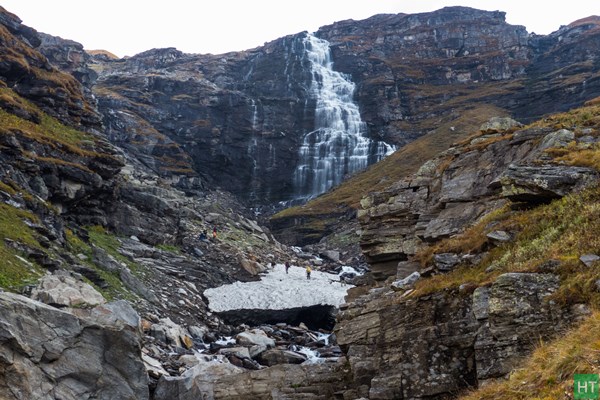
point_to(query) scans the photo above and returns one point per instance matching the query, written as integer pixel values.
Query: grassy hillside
(50, 141)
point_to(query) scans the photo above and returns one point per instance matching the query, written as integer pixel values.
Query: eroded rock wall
(436, 345)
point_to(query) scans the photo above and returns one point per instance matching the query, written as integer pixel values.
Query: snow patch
(278, 291)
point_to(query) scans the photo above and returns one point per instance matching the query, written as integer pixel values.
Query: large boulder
(254, 337)
(46, 353)
(278, 356)
(66, 291)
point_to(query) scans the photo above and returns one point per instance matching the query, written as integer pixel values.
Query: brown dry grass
(548, 373)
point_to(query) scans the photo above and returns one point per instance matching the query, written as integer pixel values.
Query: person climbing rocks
(308, 271)
(214, 232)
(203, 236)
(287, 266)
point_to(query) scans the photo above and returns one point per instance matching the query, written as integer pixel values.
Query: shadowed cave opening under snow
(314, 317)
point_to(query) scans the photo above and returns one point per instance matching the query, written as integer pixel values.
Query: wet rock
(197, 332)
(240, 352)
(331, 255)
(257, 349)
(254, 337)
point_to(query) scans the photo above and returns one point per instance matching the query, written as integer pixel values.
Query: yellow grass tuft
(562, 230)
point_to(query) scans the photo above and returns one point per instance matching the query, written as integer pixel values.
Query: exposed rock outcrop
(32, 75)
(47, 353)
(435, 345)
(280, 381)
(456, 188)
(403, 343)
(65, 291)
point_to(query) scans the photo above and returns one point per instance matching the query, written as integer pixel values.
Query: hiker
(308, 271)
(203, 236)
(287, 266)
(214, 232)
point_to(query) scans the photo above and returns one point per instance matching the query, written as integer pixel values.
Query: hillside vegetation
(561, 232)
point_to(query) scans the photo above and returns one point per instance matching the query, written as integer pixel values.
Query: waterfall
(254, 151)
(337, 146)
(254, 115)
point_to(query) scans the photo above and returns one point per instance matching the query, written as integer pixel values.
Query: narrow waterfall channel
(337, 146)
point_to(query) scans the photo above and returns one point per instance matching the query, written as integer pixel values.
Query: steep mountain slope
(240, 120)
(439, 76)
(488, 250)
(478, 249)
(81, 223)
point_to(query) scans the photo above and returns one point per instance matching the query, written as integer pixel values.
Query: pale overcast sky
(128, 27)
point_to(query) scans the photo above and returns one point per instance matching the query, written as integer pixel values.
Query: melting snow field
(277, 290)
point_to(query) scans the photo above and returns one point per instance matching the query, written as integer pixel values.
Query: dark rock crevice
(314, 317)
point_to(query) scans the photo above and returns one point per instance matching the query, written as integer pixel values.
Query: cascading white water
(337, 145)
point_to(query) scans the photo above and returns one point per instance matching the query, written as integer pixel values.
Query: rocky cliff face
(238, 119)
(434, 346)
(398, 60)
(459, 186)
(408, 340)
(234, 120)
(33, 76)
